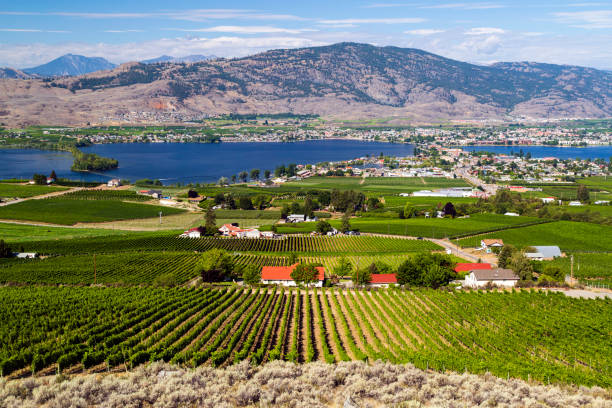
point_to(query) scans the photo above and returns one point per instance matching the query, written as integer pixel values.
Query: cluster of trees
(510, 257)
(409, 211)
(217, 265)
(347, 200)
(91, 162)
(258, 202)
(5, 250)
(430, 270)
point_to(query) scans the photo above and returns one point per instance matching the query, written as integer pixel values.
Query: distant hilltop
(345, 80)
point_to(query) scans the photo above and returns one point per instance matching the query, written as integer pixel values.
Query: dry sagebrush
(286, 384)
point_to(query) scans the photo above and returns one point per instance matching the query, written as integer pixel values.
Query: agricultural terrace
(424, 227)
(11, 190)
(71, 211)
(118, 195)
(152, 268)
(531, 335)
(167, 242)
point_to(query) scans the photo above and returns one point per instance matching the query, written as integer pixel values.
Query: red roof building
(383, 279)
(467, 267)
(281, 275)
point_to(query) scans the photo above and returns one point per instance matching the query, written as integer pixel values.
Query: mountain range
(345, 80)
(186, 59)
(70, 65)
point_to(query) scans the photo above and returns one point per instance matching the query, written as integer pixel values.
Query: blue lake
(592, 152)
(191, 162)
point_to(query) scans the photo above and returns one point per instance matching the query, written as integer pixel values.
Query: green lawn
(68, 212)
(28, 190)
(568, 235)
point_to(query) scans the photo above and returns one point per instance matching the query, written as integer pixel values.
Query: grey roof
(494, 274)
(547, 251)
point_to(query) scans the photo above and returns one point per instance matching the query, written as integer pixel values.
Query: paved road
(583, 293)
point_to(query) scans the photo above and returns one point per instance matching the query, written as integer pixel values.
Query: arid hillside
(353, 384)
(345, 80)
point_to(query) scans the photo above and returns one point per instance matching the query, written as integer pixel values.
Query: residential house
(193, 233)
(575, 204)
(548, 200)
(544, 253)
(498, 277)
(229, 229)
(25, 255)
(113, 183)
(281, 275)
(153, 193)
(491, 243)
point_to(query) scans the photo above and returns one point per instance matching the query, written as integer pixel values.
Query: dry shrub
(286, 384)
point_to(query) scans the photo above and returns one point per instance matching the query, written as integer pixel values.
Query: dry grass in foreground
(286, 384)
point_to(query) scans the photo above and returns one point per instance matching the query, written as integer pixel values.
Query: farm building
(25, 255)
(491, 243)
(498, 277)
(467, 267)
(233, 230)
(193, 233)
(281, 275)
(544, 253)
(383, 280)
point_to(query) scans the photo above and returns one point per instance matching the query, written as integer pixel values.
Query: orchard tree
(255, 174)
(449, 209)
(361, 277)
(267, 174)
(211, 221)
(304, 273)
(504, 256)
(343, 268)
(251, 274)
(345, 224)
(243, 175)
(215, 265)
(583, 193)
(5, 250)
(323, 227)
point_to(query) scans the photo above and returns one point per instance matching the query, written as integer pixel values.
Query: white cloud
(124, 31)
(31, 30)
(408, 20)
(484, 31)
(489, 45)
(586, 19)
(245, 30)
(424, 31)
(186, 15)
(465, 6)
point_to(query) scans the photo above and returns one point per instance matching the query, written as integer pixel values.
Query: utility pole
(95, 275)
(572, 268)
(160, 214)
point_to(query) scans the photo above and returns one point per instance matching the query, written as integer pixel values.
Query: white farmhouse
(499, 277)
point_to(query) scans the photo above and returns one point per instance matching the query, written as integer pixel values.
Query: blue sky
(564, 32)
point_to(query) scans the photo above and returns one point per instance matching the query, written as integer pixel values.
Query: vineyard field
(526, 334)
(71, 211)
(569, 236)
(124, 268)
(117, 195)
(166, 242)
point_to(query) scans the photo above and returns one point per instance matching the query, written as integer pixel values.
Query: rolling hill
(345, 80)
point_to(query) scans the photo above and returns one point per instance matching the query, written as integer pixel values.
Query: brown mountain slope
(344, 80)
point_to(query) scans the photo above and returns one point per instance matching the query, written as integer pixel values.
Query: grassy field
(109, 327)
(244, 214)
(28, 190)
(16, 233)
(69, 212)
(569, 236)
(181, 221)
(396, 202)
